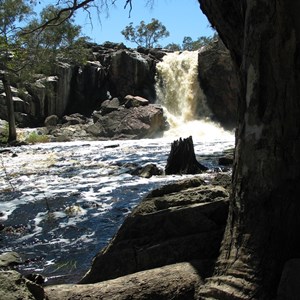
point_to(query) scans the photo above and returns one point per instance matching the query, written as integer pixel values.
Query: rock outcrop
(180, 222)
(219, 83)
(133, 122)
(113, 70)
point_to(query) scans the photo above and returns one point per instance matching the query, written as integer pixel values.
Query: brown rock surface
(178, 281)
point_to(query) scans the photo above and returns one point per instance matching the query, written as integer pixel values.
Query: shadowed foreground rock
(183, 221)
(14, 286)
(178, 281)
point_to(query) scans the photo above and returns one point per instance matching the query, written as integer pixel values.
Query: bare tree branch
(70, 10)
(130, 4)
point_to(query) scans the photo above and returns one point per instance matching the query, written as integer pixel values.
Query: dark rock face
(112, 72)
(136, 122)
(219, 83)
(132, 73)
(180, 222)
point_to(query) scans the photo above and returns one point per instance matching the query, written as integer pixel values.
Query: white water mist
(184, 103)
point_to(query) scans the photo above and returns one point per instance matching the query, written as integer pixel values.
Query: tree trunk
(264, 217)
(182, 159)
(12, 134)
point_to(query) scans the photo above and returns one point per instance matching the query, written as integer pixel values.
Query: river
(60, 203)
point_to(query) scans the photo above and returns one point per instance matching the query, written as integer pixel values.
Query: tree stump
(182, 159)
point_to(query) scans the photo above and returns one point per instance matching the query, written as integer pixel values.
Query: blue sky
(181, 18)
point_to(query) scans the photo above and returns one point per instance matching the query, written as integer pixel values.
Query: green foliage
(35, 138)
(12, 12)
(173, 47)
(4, 134)
(59, 41)
(145, 35)
(24, 50)
(189, 44)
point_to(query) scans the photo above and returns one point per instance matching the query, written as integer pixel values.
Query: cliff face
(113, 72)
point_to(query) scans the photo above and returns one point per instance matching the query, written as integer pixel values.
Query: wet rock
(14, 286)
(5, 150)
(181, 223)
(147, 171)
(112, 146)
(10, 259)
(73, 210)
(178, 282)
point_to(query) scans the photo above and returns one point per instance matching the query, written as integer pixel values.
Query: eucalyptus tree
(262, 231)
(12, 13)
(189, 44)
(59, 41)
(145, 34)
(28, 46)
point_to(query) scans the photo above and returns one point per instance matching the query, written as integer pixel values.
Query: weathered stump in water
(182, 159)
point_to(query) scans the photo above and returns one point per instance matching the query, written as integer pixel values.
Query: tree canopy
(146, 35)
(191, 45)
(28, 46)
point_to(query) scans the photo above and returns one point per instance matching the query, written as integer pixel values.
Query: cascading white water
(179, 92)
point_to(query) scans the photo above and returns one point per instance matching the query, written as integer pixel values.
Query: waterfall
(178, 91)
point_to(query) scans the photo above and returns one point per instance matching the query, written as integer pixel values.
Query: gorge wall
(115, 71)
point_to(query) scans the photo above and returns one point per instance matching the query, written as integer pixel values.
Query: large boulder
(181, 222)
(136, 122)
(219, 82)
(178, 282)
